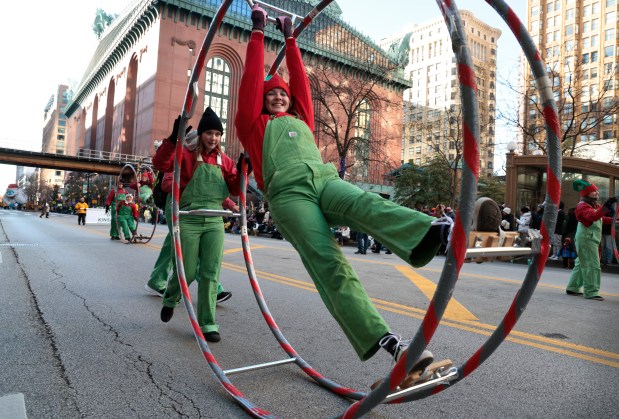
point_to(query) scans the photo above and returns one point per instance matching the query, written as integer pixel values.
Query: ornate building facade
(135, 84)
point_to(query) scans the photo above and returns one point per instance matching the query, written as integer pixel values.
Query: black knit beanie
(209, 121)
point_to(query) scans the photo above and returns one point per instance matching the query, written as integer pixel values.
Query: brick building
(135, 84)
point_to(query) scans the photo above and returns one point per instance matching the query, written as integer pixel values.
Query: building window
(609, 35)
(609, 51)
(217, 91)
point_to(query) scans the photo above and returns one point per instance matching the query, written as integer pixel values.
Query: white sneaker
(401, 346)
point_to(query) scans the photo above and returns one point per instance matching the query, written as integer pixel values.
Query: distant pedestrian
(81, 208)
(44, 210)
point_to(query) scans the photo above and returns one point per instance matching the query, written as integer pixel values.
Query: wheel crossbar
(261, 366)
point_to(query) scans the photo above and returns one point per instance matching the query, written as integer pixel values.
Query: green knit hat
(584, 187)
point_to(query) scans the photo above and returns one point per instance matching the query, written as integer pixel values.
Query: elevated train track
(91, 161)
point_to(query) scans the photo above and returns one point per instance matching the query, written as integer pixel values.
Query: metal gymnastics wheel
(457, 251)
(135, 174)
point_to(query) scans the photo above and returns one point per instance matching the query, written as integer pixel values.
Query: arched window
(362, 144)
(217, 91)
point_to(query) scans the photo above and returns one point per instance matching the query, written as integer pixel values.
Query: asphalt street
(82, 338)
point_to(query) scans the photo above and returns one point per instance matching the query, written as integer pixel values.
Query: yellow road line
(523, 338)
(454, 309)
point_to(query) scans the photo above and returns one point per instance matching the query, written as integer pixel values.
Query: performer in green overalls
(275, 121)
(165, 267)
(208, 176)
(127, 213)
(586, 274)
(113, 198)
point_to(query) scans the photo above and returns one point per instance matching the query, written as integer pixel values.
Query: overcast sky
(53, 44)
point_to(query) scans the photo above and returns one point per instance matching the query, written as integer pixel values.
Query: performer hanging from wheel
(113, 198)
(144, 185)
(207, 177)
(127, 213)
(275, 121)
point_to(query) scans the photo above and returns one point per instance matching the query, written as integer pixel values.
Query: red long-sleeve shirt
(163, 160)
(132, 205)
(250, 121)
(112, 195)
(587, 214)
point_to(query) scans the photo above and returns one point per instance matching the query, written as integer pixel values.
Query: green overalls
(202, 240)
(114, 227)
(126, 221)
(587, 272)
(306, 196)
(145, 193)
(165, 267)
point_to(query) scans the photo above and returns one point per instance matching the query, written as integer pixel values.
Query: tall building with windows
(55, 132)
(135, 84)
(578, 40)
(432, 110)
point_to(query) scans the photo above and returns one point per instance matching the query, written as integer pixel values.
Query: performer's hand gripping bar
(276, 11)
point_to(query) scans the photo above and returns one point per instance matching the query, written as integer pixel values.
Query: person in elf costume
(207, 177)
(144, 186)
(113, 198)
(127, 213)
(585, 277)
(165, 267)
(274, 122)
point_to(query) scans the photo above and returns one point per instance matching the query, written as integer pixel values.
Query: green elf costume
(207, 177)
(112, 200)
(127, 213)
(289, 169)
(590, 215)
(165, 267)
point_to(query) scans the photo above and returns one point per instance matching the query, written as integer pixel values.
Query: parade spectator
(568, 252)
(81, 208)
(508, 217)
(557, 237)
(523, 225)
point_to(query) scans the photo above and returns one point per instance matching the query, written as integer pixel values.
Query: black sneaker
(212, 336)
(223, 296)
(166, 313)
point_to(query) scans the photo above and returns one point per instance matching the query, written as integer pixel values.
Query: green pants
(305, 199)
(165, 268)
(113, 226)
(127, 225)
(201, 239)
(587, 272)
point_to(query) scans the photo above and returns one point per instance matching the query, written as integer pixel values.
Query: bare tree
(584, 109)
(349, 115)
(37, 189)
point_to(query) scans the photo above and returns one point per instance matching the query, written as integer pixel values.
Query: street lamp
(511, 146)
